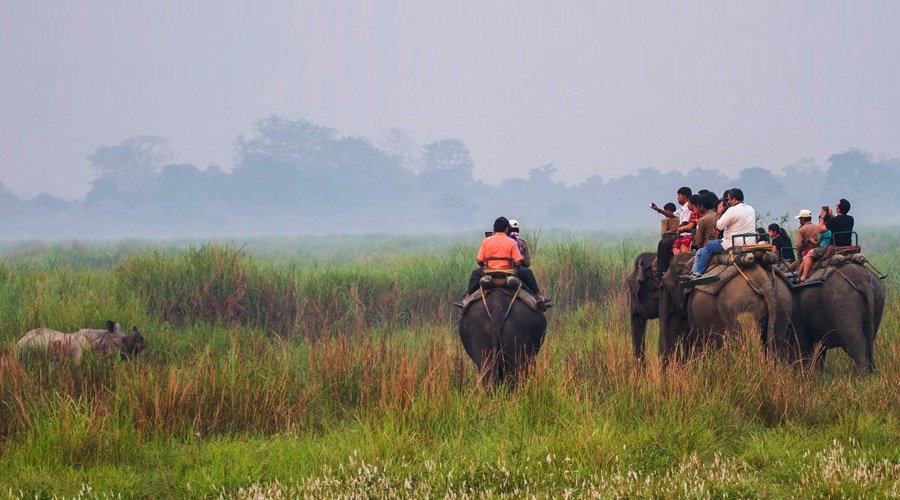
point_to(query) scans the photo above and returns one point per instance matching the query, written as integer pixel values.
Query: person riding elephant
(697, 319)
(514, 230)
(706, 225)
(844, 311)
(781, 243)
(683, 214)
(668, 225)
(499, 251)
(737, 218)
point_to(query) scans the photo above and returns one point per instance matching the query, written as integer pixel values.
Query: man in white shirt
(738, 218)
(664, 248)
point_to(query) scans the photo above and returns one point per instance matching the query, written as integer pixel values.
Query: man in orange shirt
(499, 251)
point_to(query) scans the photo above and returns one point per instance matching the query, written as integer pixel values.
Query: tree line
(298, 177)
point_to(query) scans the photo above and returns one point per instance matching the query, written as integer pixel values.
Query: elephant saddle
(727, 266)
(522, 294)
(826, 266)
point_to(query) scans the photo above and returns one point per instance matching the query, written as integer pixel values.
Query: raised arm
(663, 211)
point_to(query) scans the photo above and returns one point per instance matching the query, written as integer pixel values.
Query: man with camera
(735, 218)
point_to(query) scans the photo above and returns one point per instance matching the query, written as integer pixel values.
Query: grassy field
(331, 367)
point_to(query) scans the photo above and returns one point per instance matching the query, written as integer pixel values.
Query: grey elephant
(502, 334)
(643, 295)
(844, 311)
(690, 322)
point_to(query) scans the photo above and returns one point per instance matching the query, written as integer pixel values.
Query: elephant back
(825, 267)
(522, 295)
(728, 266)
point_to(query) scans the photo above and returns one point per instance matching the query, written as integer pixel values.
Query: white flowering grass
(841, 470)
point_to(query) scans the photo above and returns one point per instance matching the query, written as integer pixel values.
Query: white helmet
(513, 224)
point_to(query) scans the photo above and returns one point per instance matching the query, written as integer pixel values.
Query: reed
(348, 378)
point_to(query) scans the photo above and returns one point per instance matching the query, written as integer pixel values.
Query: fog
(239, 118)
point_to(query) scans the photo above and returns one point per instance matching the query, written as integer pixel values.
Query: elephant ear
(634, 281)
(637, 277)
(676, 293)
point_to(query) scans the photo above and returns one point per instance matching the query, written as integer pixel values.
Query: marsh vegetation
(290, 367)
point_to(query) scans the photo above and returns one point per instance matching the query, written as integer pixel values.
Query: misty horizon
(296, 177)
(166, 158)
(593, 89)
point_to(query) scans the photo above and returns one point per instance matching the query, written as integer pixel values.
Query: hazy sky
(593, 87)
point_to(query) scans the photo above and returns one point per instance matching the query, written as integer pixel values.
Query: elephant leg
(489, 369)
(818, 357)
(694, 345)
(507, 369)
(638, 332)
(869, 348)
(517, 359)
(667, 344)
(856, 349)
(849, 331)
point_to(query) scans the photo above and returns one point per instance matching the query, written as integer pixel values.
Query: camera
(488, 233)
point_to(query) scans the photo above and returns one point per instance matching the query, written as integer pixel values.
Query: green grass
(283, 377)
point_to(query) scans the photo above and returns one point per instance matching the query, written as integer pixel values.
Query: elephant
(502, 346)
(697, 320)
(844, 311)
(643, 294)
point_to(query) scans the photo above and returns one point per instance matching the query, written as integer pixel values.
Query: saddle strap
(747, 279)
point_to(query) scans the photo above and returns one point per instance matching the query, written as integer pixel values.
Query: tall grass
(229, 286)
(330, 379)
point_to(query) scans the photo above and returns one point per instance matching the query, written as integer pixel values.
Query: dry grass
(371, 367)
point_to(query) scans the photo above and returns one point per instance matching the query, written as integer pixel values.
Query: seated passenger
(683, 214)
(763, 236)
(807, 237)
(781, 242)
(836, 229)
(811, 256)
(499, 251)
(706, 225)
(668, 225)
(522, 244)
(841, 225)
(738, 218)
(685, 236)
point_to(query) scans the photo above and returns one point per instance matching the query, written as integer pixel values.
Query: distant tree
(129, 164)
(762, 189)
(12, 209)
(399, 145)
(869, 185)
(566, 214)
(447, 168)
(287, 142)
(449, 156)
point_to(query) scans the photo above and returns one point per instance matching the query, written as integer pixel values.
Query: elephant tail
(497, 308)
(869, 329)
